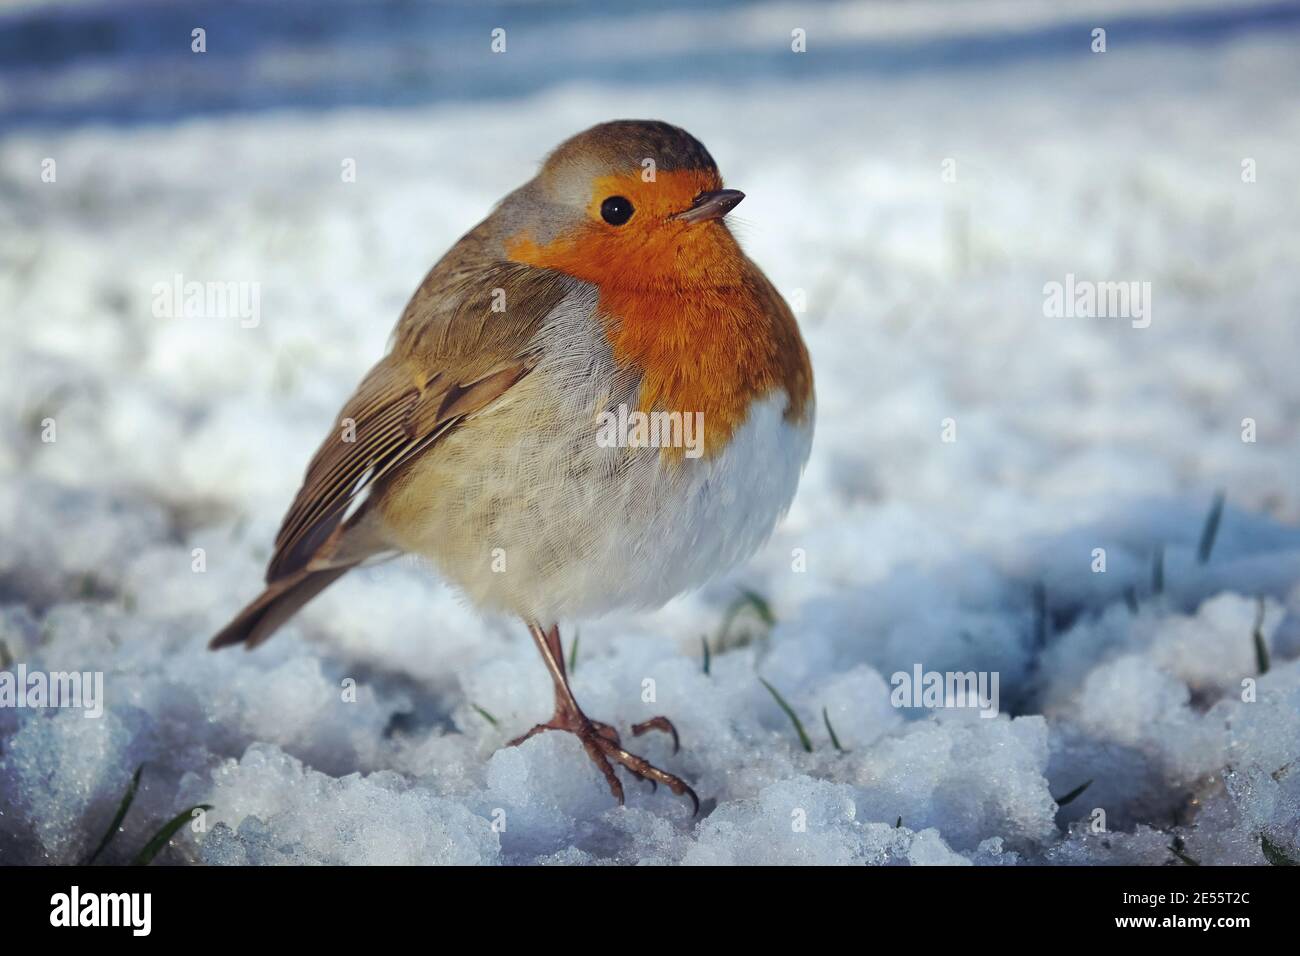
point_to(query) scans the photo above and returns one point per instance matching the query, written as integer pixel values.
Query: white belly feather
(524, 510)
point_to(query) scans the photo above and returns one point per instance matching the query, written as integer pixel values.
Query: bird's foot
(601, 741)
(657, 723)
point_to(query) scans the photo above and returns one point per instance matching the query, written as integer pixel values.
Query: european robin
(594, 401)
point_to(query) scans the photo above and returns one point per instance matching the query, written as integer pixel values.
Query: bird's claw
(658, 723)
(601, 742)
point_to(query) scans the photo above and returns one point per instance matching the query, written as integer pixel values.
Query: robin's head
(633, 203)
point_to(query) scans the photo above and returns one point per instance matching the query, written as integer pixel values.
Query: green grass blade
(708, 659)
(1176, 848)
(835, 741)
(485, 715)
(1211, 529)
(161, 838)
(1073, 794)
(747, 600)
(759, 604)
(122, 809)
(1261, 646)
(789, 712)
(573, 652)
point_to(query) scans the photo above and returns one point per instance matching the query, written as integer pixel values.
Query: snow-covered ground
(924, 302)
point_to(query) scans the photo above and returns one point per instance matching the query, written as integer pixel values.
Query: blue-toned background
(130, 60)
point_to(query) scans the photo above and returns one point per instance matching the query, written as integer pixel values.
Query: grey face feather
(555, 201)
(544, 217)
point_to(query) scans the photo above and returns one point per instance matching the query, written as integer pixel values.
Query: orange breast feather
(682, 304)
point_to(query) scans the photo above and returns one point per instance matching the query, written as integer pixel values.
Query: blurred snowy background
(924, 303)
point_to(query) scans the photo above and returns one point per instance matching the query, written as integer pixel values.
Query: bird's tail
(280, 601)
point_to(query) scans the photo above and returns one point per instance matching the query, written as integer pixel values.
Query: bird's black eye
(616, 210)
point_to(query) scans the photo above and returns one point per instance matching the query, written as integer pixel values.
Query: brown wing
(455, 350)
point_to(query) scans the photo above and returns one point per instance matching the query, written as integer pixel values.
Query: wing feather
(452, 357)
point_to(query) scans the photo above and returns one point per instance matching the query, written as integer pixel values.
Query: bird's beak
(712, 205)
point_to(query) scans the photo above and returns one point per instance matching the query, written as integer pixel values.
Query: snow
(358, 734)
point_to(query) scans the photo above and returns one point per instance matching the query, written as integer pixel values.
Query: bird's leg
(549, 643)
(601, 741)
